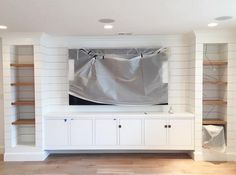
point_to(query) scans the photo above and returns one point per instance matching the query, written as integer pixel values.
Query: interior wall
(56, 59)
(1, 102)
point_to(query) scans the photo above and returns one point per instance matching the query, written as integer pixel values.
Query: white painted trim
(203, 156)
(196, 155)
(26, 156)
(113, 151)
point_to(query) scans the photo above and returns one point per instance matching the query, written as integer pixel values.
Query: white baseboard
(196, 155)
(213, 156)
(231, 156)
(26, 156)
(112, 151)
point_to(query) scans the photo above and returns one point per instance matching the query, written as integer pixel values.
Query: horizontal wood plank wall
(56, 59)
(54, 77)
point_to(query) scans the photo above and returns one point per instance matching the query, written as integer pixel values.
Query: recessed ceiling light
(3, 27)
(106, 20)
(213, 24)
(108, 26)
(223, 18)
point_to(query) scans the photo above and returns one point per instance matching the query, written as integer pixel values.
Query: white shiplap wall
(185, 81)
(56, 56)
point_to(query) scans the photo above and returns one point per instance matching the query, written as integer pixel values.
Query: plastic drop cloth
(214, 138)
(119, 76)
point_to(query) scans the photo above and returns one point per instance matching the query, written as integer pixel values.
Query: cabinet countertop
(122, 114)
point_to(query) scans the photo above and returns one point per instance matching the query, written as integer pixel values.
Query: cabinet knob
(114, 119)
(65, 120)
(169, 126)
(119, 126)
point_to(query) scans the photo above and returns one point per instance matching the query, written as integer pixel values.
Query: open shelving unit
(23, 95)
(215, 84)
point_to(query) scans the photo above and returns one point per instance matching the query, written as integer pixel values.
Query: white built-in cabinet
(173, 133)
(124, 133)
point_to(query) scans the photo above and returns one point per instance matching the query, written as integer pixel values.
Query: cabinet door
(106, 132)
(56, 132)
(81, 132)
(181, 133)
(155, 132)
(130, 132)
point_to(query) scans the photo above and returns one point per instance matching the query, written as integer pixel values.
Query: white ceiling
(141, 17)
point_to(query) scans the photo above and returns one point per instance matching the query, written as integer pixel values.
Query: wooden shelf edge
(23, 103)
(24, 122)
(22, 84)
(214, 63)
(214, 102)
(213, 122)
(214, 82)
(21, 65)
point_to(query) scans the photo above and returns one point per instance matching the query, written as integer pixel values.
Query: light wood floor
(118, 164)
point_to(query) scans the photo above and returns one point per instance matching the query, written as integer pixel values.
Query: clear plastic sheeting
(214, 138)
(119, 76)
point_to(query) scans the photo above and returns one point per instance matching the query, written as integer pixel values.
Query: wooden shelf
(22, 84)
(23, 103)
(24, 122)
(214, 63)
(213, 122)
(22, 65)
(214, 82)
(214, 102)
